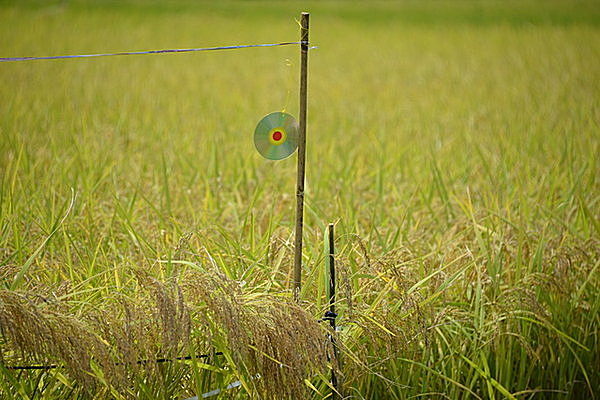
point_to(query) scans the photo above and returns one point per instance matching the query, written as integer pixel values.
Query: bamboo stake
(332, 314)
(301, 155)
(332, 274)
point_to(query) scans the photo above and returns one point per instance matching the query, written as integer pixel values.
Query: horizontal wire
(134, 53)
(158, 360)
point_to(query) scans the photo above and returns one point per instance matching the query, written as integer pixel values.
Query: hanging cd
(276, 136)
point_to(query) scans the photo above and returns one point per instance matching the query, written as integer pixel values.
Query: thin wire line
(133, 53)
(142, 362)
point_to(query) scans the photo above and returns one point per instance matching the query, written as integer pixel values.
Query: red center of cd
(277, 136)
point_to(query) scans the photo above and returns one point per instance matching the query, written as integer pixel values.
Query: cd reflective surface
(276, 136)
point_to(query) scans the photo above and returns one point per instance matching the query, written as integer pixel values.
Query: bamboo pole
(332, 314)
(301, 155)
(332, 274)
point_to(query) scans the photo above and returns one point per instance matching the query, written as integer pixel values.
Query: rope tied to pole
(167, 51)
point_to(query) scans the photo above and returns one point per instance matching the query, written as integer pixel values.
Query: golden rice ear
(264, 335)
(112, 345)
(49, 336)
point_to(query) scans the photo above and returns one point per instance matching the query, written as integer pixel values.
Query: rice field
(146, 248)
